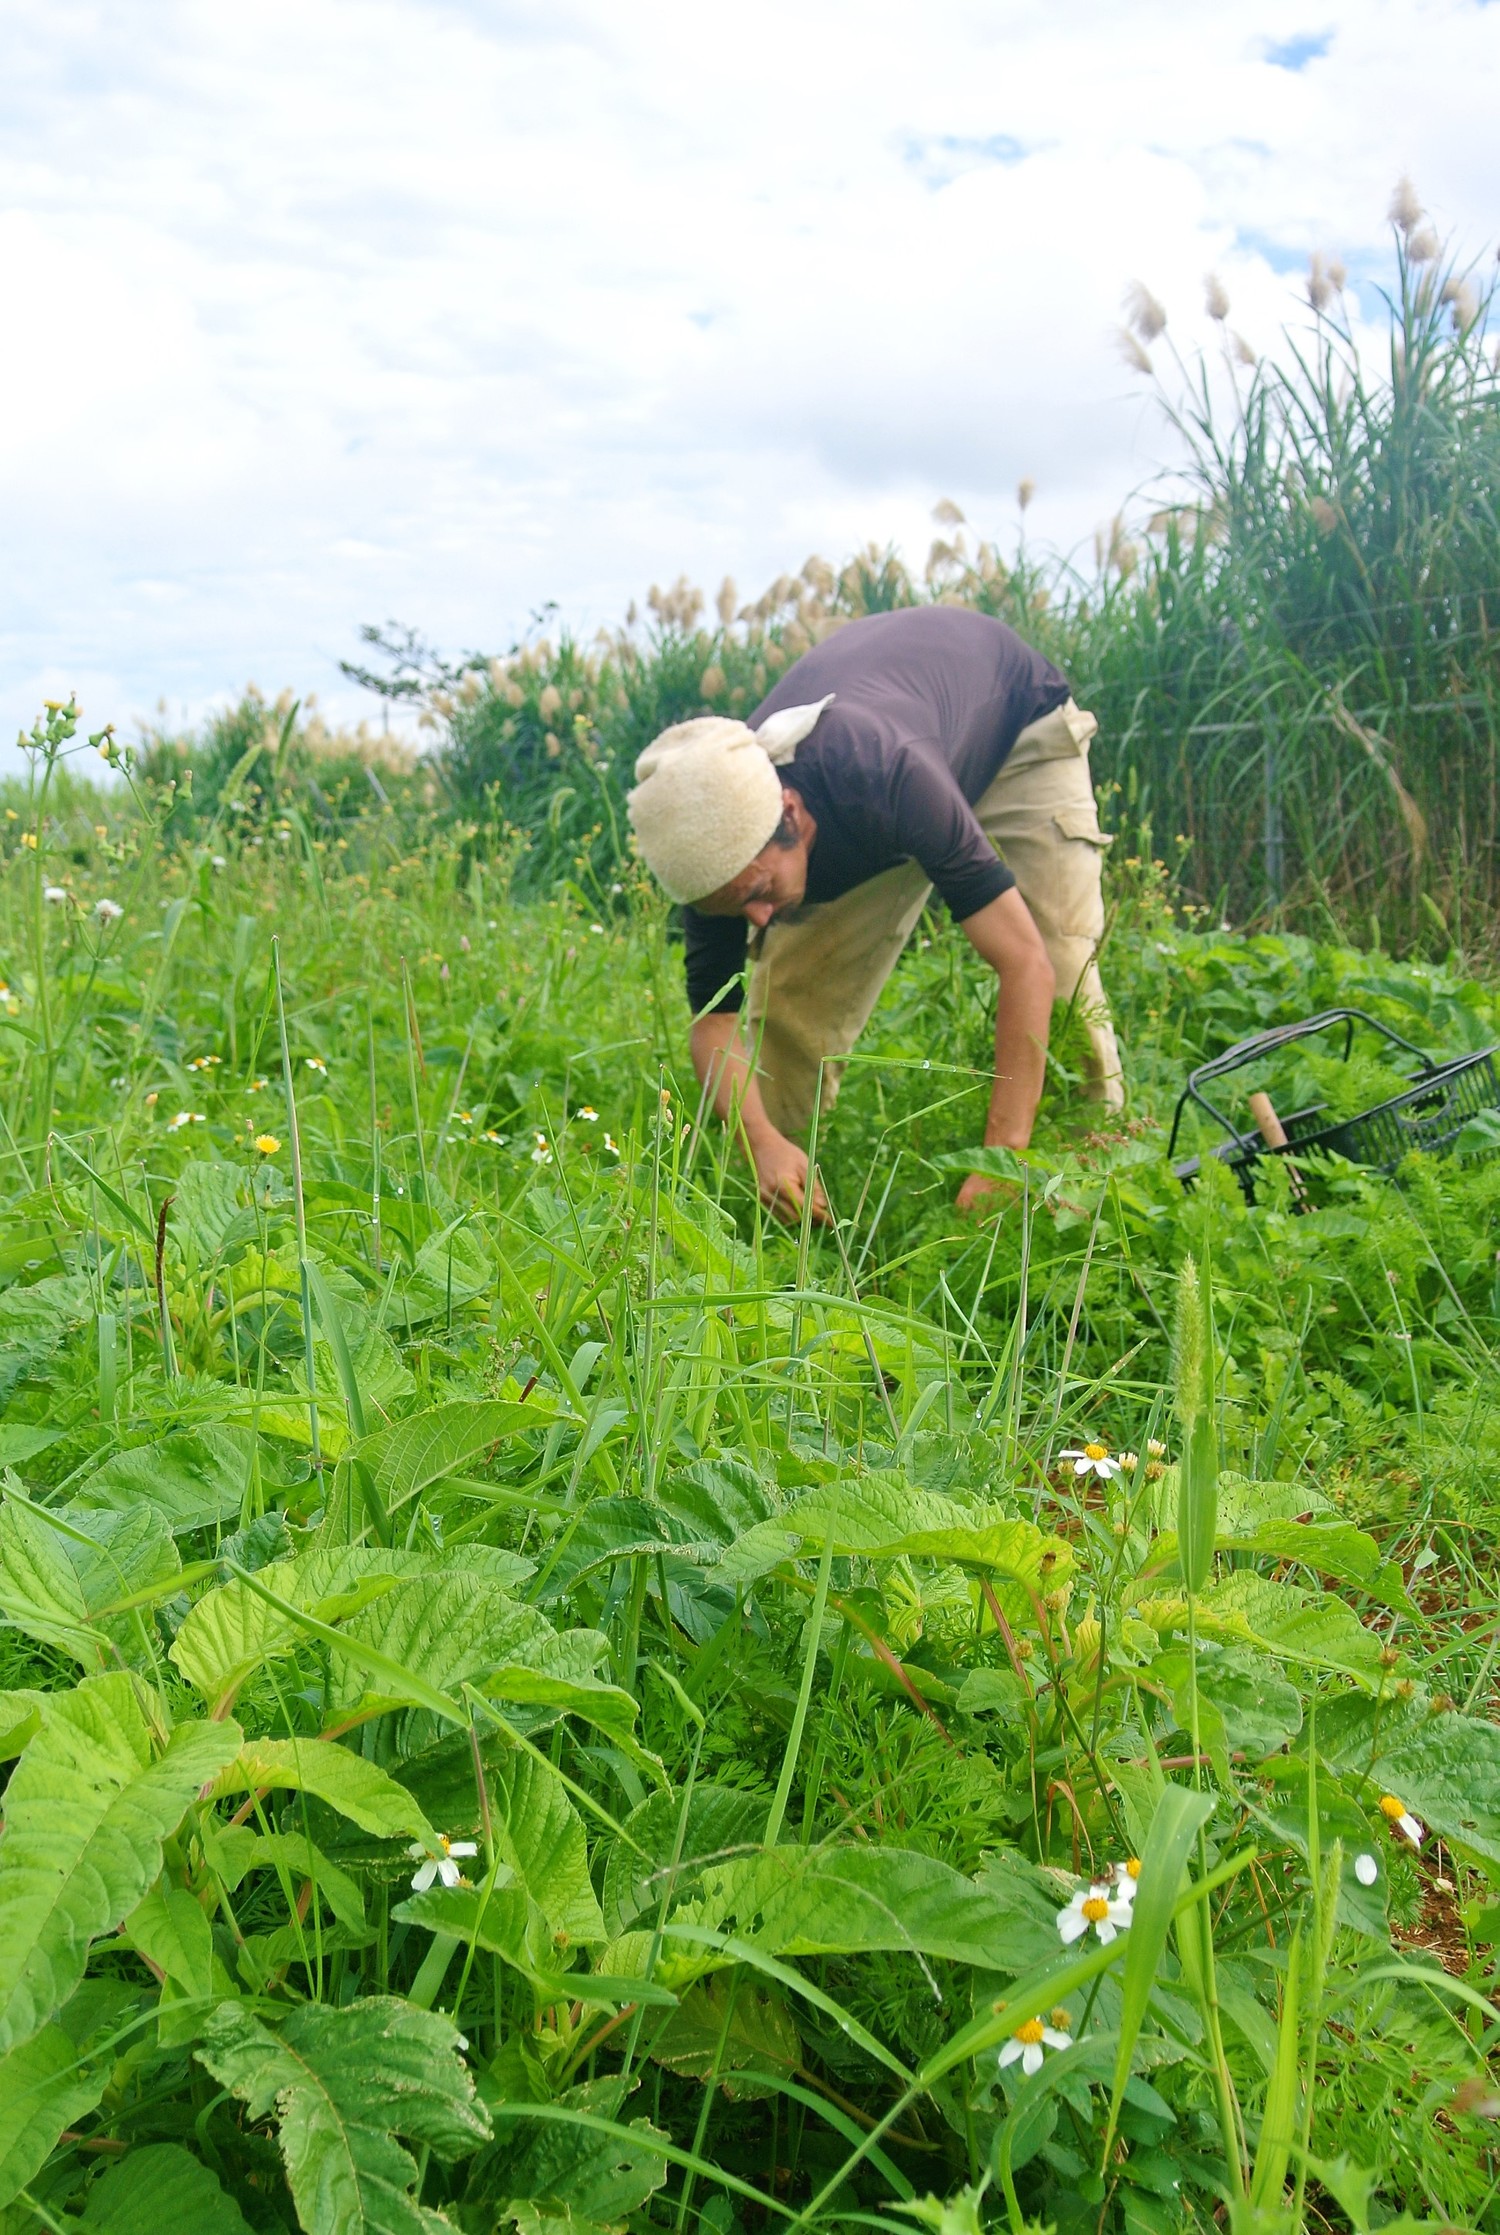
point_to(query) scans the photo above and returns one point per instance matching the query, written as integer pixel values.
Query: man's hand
(986, 1195)
(781, 1177)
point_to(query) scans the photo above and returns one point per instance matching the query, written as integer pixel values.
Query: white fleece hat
(708, 797)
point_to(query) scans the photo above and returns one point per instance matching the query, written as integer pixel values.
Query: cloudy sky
(327, 311)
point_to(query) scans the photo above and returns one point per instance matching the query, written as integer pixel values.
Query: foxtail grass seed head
(1320, 289)
(946, 514)
(1215, 298)
(1338, 275)
(727, 601)
(1325, 518)
(1423, 246)
(1143, 313)
(1188, 1361)
(1244, 354)
(1025, 491)
(1131, 350)
(711, 682)
(1405, 209)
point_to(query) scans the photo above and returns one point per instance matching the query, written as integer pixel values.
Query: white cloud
(328, 311)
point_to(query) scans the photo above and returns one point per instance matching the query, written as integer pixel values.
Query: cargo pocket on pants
(1078, 899)
(1082, 822)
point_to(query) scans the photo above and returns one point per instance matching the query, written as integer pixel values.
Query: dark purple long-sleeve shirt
(928, 702)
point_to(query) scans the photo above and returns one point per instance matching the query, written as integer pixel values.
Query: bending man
(925, 747)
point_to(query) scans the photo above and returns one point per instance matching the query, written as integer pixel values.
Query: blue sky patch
(941, 157)
(1297, 52)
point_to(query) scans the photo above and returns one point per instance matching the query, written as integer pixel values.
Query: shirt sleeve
(714, 949)
(938, 828)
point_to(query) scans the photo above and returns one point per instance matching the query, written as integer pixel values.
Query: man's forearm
(720, 1060)
(1005, 935)
(1023, 1017)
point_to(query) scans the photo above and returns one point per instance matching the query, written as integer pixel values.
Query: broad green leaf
(46, 2084)
(171, 1930)
(1259, 1710)
(344, 2083)
(160, 2186)
(332, 1773)
(190, 1478)
(20, 1719)
(1332, 1548)
(843, 1900)
(87, 1810)
(1284, 1812)
(446, 1631)
(57, 1577)
(539, 1833)
(1308, 1628)
(610, 1529)
(880, 1517)
(1447, 1771)
(410, 1456)
(208, 1198)
(234, 1629)
(753, 2033)
(40, 1591)
(238, 1850)
(720, 1820)
(539, 2158)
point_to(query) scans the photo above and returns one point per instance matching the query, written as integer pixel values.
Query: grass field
(540, 1701)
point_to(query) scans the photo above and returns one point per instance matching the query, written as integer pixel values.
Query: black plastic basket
(1428, 1115)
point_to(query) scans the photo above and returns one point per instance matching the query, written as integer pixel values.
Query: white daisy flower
(541, 1154)
(597, 927)
(1030, 2042)
(1094, 1458)
(1100, 1905)
(1400, 1818)
(1366, 1869)
(438, 1862)
(589, 1117)
(609, 1144)
(108, 911)
(1127, 1879)
(185, 1117)
(316, 1063)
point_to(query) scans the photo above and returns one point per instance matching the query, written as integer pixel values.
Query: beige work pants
(814, 982)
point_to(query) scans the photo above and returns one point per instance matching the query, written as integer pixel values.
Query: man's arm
(1005, 935)
(720, 1060)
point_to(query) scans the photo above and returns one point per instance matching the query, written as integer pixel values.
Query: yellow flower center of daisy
(1393, 1808)
(1133, 1867)
(1031, 2031)
(1095, 1451)
(1096, 1908)
(445, 1842)
(1061, 2022)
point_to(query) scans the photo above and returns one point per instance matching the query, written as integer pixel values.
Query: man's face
(773, 885)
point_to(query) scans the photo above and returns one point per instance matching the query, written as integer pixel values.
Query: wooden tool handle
(1274, 1134)
(1272, 1131)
